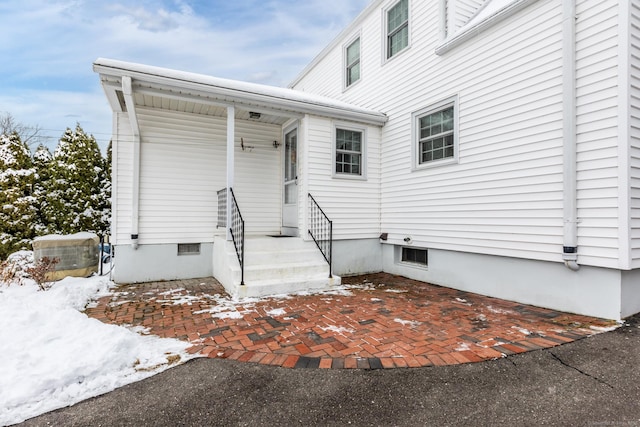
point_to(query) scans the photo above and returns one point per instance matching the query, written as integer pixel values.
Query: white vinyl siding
(504, 197)
(459, 12)
(597, 132)
(183, 165)
(122, 178)
(352, 204)
(634, 130)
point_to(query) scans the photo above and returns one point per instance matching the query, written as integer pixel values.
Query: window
(435, 134)
(349, 150)
(397, 28)
(188, 248)
(352, 59)
(415, 256)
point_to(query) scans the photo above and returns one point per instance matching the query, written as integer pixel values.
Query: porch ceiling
(203, 108)
(199, 94)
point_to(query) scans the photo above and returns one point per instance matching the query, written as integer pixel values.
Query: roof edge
(464, 34)
(244, 92)
(324, 52)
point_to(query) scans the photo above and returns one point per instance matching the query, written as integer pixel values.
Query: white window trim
(385, 35)
(408, 264)
(415, 133)
(345, 64)
(363, 159)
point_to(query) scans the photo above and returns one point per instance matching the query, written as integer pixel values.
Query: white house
(491, 146)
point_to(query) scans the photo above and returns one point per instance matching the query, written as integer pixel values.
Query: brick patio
(371, 322)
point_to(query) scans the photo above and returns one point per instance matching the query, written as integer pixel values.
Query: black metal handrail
(321, 230)
(237, 233)
(236, 228)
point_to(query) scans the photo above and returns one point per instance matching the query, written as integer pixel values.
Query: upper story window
(352, 60)
(397, 28)
(435, 135)
(349, 152)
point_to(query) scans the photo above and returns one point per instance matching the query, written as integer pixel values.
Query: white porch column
(231, 122)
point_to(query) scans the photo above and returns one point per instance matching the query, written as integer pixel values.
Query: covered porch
(206, 168)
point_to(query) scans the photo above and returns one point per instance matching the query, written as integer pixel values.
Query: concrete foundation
(160, 262)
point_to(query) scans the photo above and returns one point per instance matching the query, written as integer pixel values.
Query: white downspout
(570, 229)
(127, 91)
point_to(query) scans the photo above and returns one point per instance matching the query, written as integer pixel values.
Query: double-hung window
(397, 28)
(352, 60)
(349, 150)
(435, 134)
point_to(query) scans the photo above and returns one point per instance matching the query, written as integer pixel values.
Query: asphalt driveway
(594, 381)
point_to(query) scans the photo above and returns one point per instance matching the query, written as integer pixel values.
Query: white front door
(290, 199)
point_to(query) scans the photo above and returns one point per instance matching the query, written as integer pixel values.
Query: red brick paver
(371, 322)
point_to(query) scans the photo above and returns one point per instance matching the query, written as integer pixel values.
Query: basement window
(415, 256)
(188, 249)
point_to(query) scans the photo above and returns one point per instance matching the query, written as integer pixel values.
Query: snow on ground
(53, 355)
(411, 323)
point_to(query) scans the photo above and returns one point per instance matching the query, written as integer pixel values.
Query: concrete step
(282, 256)
(278, 287)
(276, 266)
(260, 244)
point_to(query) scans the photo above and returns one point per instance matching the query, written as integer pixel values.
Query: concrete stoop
(273, 265)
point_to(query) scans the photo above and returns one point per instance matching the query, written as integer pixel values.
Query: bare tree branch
(30, 135)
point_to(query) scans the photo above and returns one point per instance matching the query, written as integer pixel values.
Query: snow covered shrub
(17, 204)
(14, 270)
(77, 187)
(20, 267)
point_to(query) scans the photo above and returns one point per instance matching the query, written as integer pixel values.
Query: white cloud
(49, 45)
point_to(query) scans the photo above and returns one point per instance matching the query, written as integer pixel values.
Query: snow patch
(499, 310)
(276, 312)
(463, 346)
(604, 328)
(522, 330)
(337, 329)
(54, 355)
(410, 323)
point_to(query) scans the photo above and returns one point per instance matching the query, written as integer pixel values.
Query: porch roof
(277, 104)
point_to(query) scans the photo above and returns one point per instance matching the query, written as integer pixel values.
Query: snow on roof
(490, 13)
(245, 89)
(489, 8)
(77, 236)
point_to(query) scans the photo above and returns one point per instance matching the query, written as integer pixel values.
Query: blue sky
(48, 47)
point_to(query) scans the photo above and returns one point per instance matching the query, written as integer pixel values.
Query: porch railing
(321, 230)
(236, 228)
(222, 208)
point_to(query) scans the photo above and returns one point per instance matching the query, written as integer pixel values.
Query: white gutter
(240, 93)
(135, 130)
(570, 228)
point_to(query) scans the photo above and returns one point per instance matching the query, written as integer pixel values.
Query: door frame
(290, 211)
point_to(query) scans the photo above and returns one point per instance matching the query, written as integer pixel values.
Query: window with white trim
(349, 152)
(397, 28)
(352, 62)
(435, 133)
